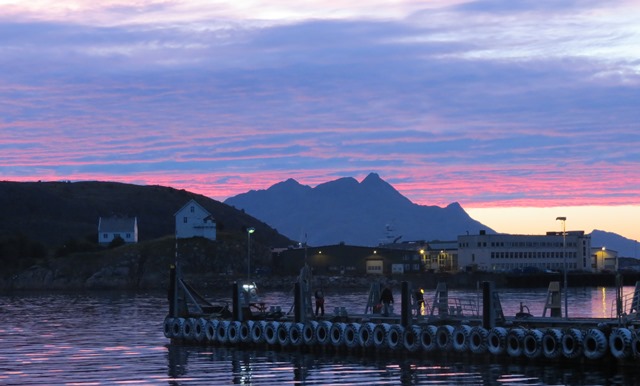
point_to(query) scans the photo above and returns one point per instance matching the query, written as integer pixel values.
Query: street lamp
(249, 232)
(564, 257)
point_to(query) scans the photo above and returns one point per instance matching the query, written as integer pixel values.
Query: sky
(519, 111)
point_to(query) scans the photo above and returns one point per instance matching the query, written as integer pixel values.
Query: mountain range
(369, 213)
(365, 213)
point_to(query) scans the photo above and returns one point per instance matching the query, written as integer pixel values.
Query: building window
(193, 209)
(128, 235)
(185, 220)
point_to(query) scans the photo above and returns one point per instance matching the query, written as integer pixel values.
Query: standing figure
(319, 302)
(386, 298)
(419, 297)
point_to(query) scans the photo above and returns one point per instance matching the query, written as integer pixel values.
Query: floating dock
(445, 325)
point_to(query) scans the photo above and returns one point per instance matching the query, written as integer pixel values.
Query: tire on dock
(200, 327)
(283, 334)
(532, 343)
(245, 331)
(168, 321)
(189, 329)
(552, 343)
(351, 339)
(233, 332)
(395, 337)
(211, 330)
(257, 332)
(336, 334)
(460, 338)
(295, 334)
(478, 340)
(428, 338)
(572, 343)
(595, 344)
(322, 332)
(221, 332)
(176, 328)
(411, 338)
(380, 335)
(271, 332)
(365, 335)
(497, 340)
(635, 345)
(444, 337)
(620, 343)
(515, 340)
(309, 333)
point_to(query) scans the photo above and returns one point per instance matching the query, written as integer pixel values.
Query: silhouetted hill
(343, 210)
(624, 246)
(54, 212)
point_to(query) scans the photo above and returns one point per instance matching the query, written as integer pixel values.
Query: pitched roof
(192, 202)
(117, 224)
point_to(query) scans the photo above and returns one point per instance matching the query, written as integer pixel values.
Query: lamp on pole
(249, 232)
(564, 260)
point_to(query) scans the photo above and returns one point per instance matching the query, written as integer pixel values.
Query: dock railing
(456, 307)
(630, 306)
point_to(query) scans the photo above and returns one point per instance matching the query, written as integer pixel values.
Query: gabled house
(110, 228)
(192, 220)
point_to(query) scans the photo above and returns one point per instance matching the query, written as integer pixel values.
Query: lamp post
(564, 260)
(249, 232)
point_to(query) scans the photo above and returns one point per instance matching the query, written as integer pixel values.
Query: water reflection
(193, 365)
(116, 338)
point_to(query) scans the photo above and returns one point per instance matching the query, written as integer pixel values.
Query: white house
(192, 220)
(110, 228)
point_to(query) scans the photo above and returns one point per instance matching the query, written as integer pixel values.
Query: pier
(441, 325)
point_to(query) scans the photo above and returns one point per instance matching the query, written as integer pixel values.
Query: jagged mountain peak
(344, 210)
(290, 183)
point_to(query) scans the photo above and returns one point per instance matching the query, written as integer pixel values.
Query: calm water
(116, 339)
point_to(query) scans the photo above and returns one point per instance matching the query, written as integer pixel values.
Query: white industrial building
(506, 252)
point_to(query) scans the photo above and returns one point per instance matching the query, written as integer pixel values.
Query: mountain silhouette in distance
(624, 246)
(363, 213)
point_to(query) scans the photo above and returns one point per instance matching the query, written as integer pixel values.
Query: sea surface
(116, 338)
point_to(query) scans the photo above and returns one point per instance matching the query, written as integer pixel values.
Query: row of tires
(551, 343)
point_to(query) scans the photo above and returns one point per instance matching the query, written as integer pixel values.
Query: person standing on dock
(419, 297)
(319, 295)
(386, 298)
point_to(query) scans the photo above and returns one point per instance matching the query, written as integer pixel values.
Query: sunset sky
(521, 111)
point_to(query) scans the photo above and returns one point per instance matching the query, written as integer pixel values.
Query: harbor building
(112, 228)
(507, 252)
(605, 259)
(193, 220)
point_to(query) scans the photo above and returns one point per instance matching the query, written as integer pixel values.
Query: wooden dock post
(173, 292)
(488, 316)
(491, 307)
(237, 307)
(553, 303)
(298, 309)
(405, 313)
